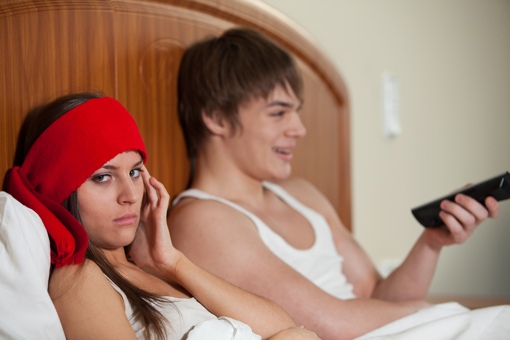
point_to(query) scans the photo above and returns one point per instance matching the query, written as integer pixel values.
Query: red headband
(62, 158)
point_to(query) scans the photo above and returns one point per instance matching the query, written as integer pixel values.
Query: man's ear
(214, 122)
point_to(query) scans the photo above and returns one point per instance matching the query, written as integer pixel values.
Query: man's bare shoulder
(209, 221)
(217, 237)
(193, 211)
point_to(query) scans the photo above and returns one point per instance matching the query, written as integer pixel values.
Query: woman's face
(271, 126)
(109, 201)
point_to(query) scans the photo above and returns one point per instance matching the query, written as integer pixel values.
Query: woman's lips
(127, 219)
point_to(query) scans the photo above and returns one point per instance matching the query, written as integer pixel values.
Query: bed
(130, 50)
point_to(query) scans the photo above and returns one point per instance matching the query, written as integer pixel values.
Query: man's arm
(411, 280)
(226, 243)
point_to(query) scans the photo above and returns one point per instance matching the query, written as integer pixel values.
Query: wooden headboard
(130, 50)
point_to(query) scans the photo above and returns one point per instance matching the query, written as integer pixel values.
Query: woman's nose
(128, 192)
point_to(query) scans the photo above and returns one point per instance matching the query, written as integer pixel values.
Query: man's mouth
(282, 151)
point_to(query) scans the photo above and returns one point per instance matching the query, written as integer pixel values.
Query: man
(239, 98)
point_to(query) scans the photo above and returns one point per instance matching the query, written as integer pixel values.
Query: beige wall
(451, 59)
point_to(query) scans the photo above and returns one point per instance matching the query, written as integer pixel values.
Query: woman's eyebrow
(140, 162)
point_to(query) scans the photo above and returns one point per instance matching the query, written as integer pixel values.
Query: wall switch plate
(390, 95)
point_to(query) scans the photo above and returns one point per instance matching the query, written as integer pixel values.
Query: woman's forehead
(131, 156)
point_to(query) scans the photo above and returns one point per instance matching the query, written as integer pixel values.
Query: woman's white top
(188, 319)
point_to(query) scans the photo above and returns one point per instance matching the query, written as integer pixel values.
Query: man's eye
(278, 114)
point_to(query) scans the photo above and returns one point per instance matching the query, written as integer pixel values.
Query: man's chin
(283, 175)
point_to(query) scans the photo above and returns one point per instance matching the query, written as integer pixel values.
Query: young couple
(239, 101)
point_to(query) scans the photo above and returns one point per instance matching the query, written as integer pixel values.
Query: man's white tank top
(320, 263)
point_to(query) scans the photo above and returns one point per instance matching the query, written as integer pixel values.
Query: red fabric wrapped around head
(62, 158)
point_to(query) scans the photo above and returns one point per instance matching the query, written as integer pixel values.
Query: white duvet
(445, 321)
(448, 321)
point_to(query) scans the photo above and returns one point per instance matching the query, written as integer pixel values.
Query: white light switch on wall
(390, 96)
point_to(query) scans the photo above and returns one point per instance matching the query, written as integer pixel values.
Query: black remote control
(497, 187)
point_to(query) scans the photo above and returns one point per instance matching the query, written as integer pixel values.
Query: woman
(80, 166)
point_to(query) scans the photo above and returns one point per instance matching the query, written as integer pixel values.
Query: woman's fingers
(156, 195)
(150, 192)
(161, 192)
(155, 191)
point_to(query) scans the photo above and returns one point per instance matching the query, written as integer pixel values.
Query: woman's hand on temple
(152, 248)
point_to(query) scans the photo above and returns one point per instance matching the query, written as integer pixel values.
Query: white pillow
(25, 306)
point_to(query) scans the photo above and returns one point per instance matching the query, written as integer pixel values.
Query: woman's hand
(152, 249)
(461, 217)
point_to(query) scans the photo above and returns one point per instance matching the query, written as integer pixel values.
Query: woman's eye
(101, 178)
(135, 173)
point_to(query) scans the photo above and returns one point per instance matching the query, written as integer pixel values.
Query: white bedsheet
(222, 328)
(448, 321)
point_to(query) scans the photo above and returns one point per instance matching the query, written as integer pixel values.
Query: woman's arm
(153, 251)
(223, 299)
(87, 305)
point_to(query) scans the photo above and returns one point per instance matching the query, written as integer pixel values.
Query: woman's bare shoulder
(87, 303)
(75, 279)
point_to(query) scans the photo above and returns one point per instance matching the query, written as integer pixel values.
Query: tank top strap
(323, 235)
(319, 225)
(290, 200)
(196, 193)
